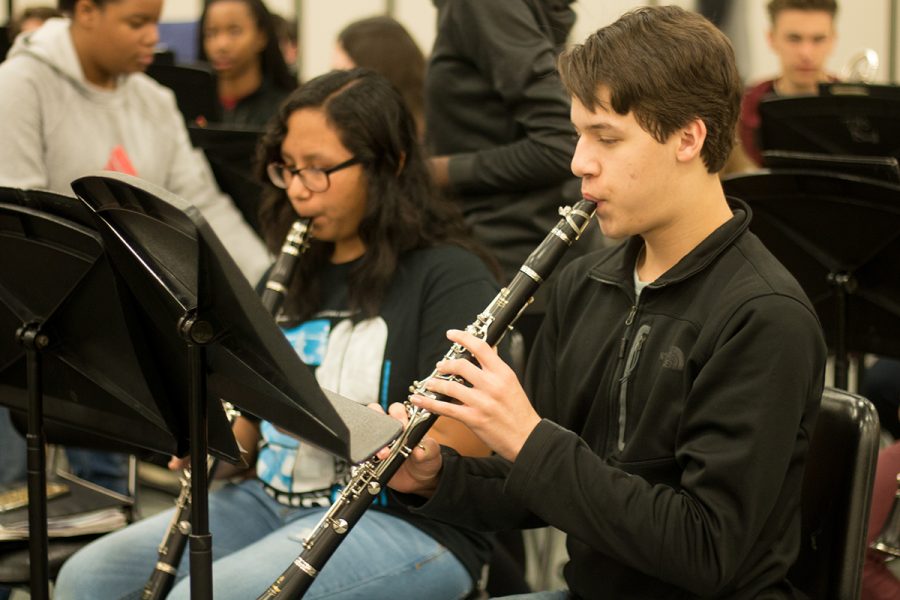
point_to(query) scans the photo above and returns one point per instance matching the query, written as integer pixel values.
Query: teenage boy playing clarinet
(675, 382)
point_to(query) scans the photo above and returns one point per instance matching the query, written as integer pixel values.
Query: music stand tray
(839, 235)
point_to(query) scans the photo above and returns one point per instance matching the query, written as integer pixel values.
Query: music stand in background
(231, 153)
(66, 352)
(839, 235)
(195, 90)
(854, 125)
(186, 281)
(874, 90)
(883, 168)
(4, 42)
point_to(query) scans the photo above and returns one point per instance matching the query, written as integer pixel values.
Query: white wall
(860, 24)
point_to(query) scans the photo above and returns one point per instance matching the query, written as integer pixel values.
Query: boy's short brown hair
(776, 6)
(667, 65)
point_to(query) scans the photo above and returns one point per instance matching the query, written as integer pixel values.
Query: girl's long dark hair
(403, 209)
(274, 69)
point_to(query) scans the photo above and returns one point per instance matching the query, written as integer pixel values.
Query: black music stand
(854, 125)
(186, 281)
(231, 153)
(855, 88)
(883, 168)
(66, 350)
(839, 235)
(195, 89)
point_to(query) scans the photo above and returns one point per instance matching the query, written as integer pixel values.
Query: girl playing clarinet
(388, 270)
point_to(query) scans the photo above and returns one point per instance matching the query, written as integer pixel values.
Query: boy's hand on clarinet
(493, 404)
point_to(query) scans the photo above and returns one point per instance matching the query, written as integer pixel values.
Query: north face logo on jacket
(673, 358)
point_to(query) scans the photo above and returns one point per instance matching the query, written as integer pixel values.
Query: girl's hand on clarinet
(420, 472)
(179, 464)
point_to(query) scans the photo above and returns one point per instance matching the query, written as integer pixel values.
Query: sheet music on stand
(77, 508)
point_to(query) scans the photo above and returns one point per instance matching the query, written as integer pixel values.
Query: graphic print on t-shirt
(120, 162)
(348, 359)
(310, 340)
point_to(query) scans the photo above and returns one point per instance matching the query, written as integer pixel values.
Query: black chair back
(837, 490)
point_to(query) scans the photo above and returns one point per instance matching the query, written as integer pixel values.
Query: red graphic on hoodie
(119, 161)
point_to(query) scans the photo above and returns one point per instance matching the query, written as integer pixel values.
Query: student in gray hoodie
(75, 101)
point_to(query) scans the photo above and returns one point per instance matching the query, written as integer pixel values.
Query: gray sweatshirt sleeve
(22, 162)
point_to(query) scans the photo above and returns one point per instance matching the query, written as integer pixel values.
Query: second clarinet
(370, 477)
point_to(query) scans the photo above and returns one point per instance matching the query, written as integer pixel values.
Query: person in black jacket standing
(497, 122)
(676, 379)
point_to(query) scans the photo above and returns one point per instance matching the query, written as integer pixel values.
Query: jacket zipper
(613, 417)
(628, 321)
(630, 365)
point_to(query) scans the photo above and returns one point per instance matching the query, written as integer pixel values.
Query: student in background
(238, 39)
(286, 30)
(385, 46)
(30, 19)
(497, 124)
(879, 581)
(802, 35)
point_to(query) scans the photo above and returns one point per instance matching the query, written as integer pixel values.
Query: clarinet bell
(888, 541)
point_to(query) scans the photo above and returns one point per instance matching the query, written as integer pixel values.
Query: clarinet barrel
(369, 478)
(172, 547)
(294, 245)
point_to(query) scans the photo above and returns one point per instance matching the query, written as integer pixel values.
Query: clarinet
(172, 546)
(282, 271)
(175, 539)
(369, 477)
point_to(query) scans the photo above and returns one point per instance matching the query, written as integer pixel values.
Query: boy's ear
(691, 138)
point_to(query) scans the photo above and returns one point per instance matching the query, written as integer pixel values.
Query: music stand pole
(197, 333)
(843, 284)
(34, 341)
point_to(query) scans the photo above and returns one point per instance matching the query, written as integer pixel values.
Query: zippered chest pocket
(631, 362)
